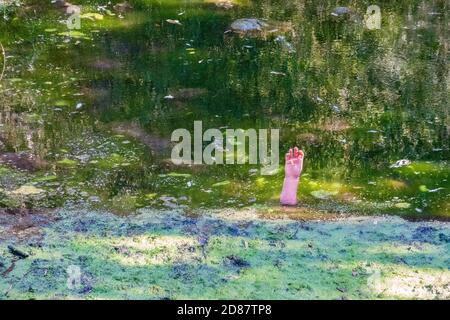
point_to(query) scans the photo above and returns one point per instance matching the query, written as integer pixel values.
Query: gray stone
(248, 25)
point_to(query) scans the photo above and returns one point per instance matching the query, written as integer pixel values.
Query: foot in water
(292, 171)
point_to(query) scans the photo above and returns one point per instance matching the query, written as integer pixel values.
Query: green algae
(139, 257)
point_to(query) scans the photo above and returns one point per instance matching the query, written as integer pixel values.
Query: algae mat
(225, 254)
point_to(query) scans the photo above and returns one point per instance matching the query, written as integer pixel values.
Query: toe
(287, 157)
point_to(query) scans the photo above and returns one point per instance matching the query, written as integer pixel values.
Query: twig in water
(17, 252)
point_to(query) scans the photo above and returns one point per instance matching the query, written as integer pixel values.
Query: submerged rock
(248, 25)
(22, 161)
(158, 145)
(224, 4)
(341, 12)
(257, 27)
(104, 64)
(122, 7)
(61, 4)
(345, 14)
(65, 6)
(285, 44)
(21, 223)
(27, 191)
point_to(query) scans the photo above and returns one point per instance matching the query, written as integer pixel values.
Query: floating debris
(22, 161)
(172, 21)
(285, 44)
(401, 163)
(27, 190)
(335, 108)
(248, 25)
(340, 12)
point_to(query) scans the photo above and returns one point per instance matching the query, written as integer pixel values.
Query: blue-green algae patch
(226, 254)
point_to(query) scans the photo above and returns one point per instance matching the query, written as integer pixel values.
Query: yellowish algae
(27, 190)
(160, 254)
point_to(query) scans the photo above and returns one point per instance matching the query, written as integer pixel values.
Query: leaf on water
(222, 183)
(27, 190)
(172, 21)
(67, 163)
(92, 16)
(402, 205)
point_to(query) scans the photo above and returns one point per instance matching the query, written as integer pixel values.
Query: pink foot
(292, 171)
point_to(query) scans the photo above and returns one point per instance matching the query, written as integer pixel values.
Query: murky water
(92, 110)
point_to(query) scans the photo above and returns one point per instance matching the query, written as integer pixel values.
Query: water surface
(91, 105)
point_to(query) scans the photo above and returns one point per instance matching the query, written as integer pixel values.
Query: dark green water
(356, 100)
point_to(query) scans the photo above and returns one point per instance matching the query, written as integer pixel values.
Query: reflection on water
(87, 118)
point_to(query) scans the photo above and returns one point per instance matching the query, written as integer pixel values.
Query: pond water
(86, 116)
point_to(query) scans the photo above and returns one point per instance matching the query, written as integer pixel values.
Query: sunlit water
(94, 106)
